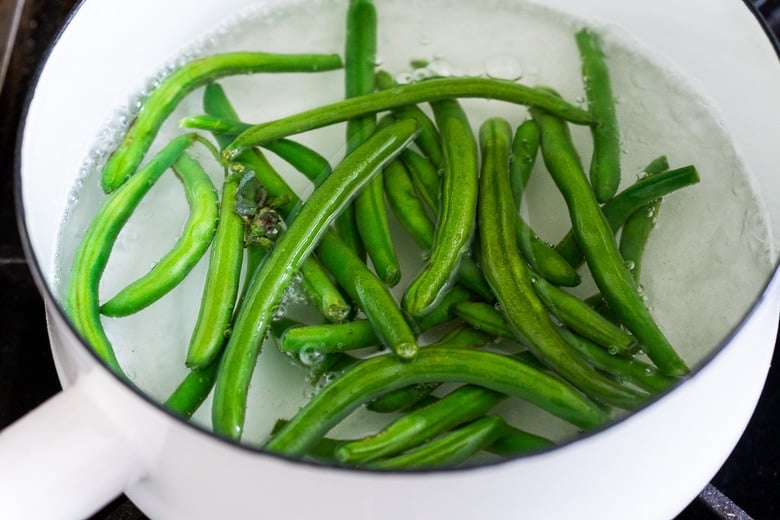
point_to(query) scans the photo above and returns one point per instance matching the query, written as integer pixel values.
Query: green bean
(442, 312)
(581, 318)
(598, 244)
(360, 57)
(192, 244)
(310, 163)
(351, 273)
(408, 397)
(657, 165)
(171, 90)
(485, 318)
(316, 282)
(457, 209)
(544, 259)
(462, 405)
(450, 450)
(91, 257)
(620, 207)
(192, 391)
(270, 282)
(513, 442)
(329, 338)
(382, 374)
(507, 273)
(425, 91)
(425, 178)
(220, 290)
(409, 211)
(428, 139)
(635, 234)
(605, 163)
(641, 374)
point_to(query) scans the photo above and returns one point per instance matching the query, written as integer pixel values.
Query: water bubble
(310, 357)
(403, 78)
(612, 350)
(503, 67)
(630, 265)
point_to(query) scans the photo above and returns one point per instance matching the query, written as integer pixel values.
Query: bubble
(503, 67)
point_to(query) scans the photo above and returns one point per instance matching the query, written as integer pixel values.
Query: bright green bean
(484, 317)
(270, 282)
(424, 91)
(428, 139)
(316, 282)
(91, 257)
(454, 228)
(450, 450)
(220, 290)
(329, 338)
(171, 90)
(192, 391)
(596, 238)
(192, 244)
(382, 374)
(462, 405)
(620, 207)
(507, 273)
(543, 257)
(605, 163)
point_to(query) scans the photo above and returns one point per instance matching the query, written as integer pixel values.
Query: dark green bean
(620, 207)
(270, 282)
(310, 163)
(442, 312)
(507, 273)
(382, 374)
(635, 234)
(581, 318)
(192, 244)
(605, 163)
(641, 374)
(424, 91)
(462, 405)
(525, 149)
(485, 318)
(598, 244)
(171, 90)
(425, 177)
(657, 165)
(457, 209)
(91, 257)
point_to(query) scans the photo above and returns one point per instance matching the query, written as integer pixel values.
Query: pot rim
(43, 287)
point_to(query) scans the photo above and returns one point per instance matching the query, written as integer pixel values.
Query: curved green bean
(379, 375)
(462, 405)
(171, 90)
(220, 290)
(425, 91)
(621, 206)
(458, 201)
(307, 161)
(192, 244)
(192, 391)
(89, 262)
(598, 244)
(270, 282)
(425, 177)
(635, 234)
(605, 163)
(507, 273)
(544, 258)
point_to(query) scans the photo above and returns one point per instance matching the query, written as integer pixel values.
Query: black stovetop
(748, 484)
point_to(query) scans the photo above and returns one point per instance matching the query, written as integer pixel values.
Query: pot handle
(65, 459)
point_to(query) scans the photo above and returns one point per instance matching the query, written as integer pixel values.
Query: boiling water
(708, 256)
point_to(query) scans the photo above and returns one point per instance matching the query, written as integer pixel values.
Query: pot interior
(713, 251)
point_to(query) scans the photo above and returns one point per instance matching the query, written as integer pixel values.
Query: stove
(747, 486)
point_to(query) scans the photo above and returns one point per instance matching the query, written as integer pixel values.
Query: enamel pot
(101, 437)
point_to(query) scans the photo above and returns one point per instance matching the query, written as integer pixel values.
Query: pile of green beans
(490, 318)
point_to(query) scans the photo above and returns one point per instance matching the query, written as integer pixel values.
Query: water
(706, 237)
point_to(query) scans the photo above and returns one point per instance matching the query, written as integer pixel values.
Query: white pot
(99, 437)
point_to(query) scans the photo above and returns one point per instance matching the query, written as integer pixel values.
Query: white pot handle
(65, 459)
